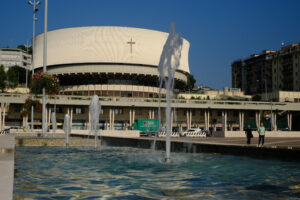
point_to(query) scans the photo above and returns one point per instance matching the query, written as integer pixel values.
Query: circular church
(108, 61)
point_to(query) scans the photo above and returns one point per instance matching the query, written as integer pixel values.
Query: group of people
(261, 133)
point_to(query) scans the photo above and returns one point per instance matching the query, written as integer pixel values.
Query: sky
(219, 31)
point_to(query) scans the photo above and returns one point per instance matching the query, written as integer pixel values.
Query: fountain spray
(168, 64)
(95, 109)
(53, 120)
(67, 128)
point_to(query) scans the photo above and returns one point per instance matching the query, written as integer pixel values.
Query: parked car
(190, 131)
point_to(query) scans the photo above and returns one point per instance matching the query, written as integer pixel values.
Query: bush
(41, 80)
(27, 106)
(256, 98)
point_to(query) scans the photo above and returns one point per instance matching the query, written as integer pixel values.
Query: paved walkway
(278, 142)
(7, 146)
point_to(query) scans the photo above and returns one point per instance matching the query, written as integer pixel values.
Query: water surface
(129, 173)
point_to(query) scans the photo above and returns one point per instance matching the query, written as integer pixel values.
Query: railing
(66, 98)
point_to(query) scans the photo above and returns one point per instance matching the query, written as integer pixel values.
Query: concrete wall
(112, 133)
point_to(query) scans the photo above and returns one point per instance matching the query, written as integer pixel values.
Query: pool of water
(129, 173)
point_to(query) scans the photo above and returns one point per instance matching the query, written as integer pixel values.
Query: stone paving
(7, 146)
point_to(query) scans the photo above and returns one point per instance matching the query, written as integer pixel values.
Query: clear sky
(219, 31)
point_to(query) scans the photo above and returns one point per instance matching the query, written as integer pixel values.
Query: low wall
(54, 142)
(188, 147)
(112, 133)
(61, 133)
(293, 134)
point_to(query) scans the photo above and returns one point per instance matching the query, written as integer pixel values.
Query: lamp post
(266, 89)
(266, 98)
(44, 67)
(35, 9)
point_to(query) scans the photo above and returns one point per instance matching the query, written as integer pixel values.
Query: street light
(266, 90)
(35, 9)
(266, 96)
(44, 67)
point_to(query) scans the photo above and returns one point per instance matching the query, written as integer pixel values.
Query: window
(138, 111)
(78, 110)
(59, 109)
(17, 108)
(193, 112)
(118, 111)
(219, 113)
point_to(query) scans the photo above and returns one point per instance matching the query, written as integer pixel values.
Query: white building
(11, 57)
(108, 61)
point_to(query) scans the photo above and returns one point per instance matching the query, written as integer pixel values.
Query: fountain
(53, 120)
(67, 128)
(95, 109)
(168, 64)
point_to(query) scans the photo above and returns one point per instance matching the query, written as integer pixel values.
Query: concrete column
(0, 116)
(240, 120)
(187, 119)
(49, 117)
(89, 122)
(258, 118)
(291, 121)
(23, 121)
(243, 119)
(106, 125)
(150, 114)
(3, 119)
(191, 117)
(172, 118)
(110, 118)
(205, 120)
(130, 117)
(113, 119)
(133, 115)
(288, 120)
(289, 115)
(224, 120)
(275, 121)
(153, 114)
(71, 118)
(208, 118)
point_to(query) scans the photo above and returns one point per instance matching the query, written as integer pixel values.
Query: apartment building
(11, 57)
(268, 72)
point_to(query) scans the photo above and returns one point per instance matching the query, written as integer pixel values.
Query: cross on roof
(131, 43)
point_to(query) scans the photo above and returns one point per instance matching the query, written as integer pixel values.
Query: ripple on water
(130, 173)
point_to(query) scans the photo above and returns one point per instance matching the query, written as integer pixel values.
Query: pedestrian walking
(249, 134)
(261, 133)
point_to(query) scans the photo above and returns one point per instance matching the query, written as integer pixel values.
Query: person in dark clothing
(248, 133)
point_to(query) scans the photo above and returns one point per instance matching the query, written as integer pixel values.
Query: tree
(256, 98)
(21, 74)
(2, 78)
(12, 78)
(24, 48)
(191, 82)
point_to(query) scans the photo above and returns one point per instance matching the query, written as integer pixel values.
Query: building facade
(11, 57)
(269, 72)
(120, 64)
(108, 61)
